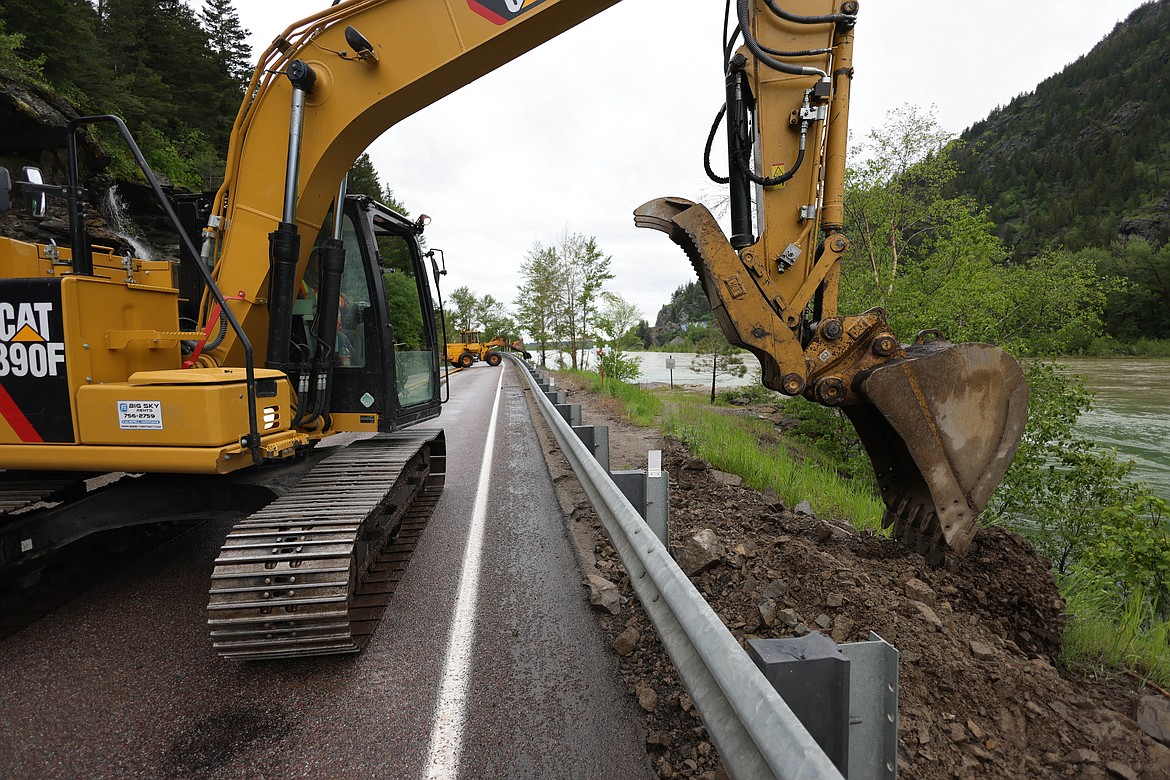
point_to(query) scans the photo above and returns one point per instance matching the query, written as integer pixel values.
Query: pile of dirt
(980, 694)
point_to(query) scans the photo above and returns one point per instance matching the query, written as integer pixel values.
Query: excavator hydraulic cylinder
(738, 144)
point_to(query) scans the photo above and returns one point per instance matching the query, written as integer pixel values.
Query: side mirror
(35, 201)
(5, 189)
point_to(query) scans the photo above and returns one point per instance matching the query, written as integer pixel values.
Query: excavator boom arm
(419, 51)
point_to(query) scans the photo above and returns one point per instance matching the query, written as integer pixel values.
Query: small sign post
(670, 365)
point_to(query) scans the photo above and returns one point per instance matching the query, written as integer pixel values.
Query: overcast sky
(576, 134)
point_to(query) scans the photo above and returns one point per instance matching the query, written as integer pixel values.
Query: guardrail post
(658, 497)
(556, 396)
(812, 676)
(596, 440)
(845, 695)
(873, 709)
(571, 412)
(649, 493)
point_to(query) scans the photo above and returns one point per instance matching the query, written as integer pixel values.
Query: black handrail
(83, 262)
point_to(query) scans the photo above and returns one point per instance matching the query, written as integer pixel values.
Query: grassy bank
(1142, 348)
(745, 445)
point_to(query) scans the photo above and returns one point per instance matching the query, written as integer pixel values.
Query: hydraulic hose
(848, 19)
(710, 143)
(763, 56)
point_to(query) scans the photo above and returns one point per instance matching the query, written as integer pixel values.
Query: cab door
(386, 367)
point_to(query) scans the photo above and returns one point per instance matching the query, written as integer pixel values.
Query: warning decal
(777, 171)
(35, 404)
(502, 11)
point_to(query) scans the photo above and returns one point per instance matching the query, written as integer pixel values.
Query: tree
(716, 355)
(537, 300)
(893, 200)
(643, 333)
(63, 34)
(463, 304)
(582, 270)
(228, 40)
(616, 320)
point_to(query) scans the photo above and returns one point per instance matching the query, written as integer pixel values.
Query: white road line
(451, 713)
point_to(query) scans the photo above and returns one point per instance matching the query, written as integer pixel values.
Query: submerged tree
(717, 356)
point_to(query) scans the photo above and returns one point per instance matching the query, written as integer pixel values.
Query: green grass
(747, 446)
(1105, 635)
(750, 447)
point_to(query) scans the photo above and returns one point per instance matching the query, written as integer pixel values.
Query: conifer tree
(228, 40)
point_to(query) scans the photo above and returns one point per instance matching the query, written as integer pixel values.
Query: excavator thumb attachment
(941, 427)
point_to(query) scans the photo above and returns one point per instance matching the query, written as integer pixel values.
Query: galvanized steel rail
(755, 732)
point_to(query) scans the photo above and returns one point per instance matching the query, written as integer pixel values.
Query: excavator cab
(386, 354)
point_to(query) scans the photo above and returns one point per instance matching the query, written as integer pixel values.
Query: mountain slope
(1085, 158)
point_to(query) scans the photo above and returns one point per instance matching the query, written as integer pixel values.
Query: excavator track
(312, 572)
(20, 490)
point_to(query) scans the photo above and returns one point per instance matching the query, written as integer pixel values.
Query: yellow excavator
(112, 363)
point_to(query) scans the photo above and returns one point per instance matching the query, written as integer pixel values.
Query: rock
(773, 501)
(1158, 760)
(789, 617)
(823, 622)
(1118, 769)
(603, 594)
(919, 591)
(662, 738)
(627, 641)
(981, 649)
(842, 628)
(768, 611)
(804, 508)
(834, 600)
(723, 478)
(702, 551)
(745, 550)
(926, 613)
(696, 464)
(647, 697)
(977, 752)
(1082, 756)
(775, 589)
(975, 729)
(1153, 717)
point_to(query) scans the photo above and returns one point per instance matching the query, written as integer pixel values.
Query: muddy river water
(1131, 412)
(1131, 408)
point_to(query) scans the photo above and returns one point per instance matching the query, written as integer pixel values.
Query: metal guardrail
(755, 732)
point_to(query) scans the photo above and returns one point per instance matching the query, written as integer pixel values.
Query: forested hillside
(1085, 158)
(176, 75)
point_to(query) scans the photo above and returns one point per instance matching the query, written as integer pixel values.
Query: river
(1131, 406)
(1131, 412)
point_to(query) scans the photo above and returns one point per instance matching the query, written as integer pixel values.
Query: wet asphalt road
(122, 681)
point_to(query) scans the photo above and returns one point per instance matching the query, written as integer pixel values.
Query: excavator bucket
(941, 428)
